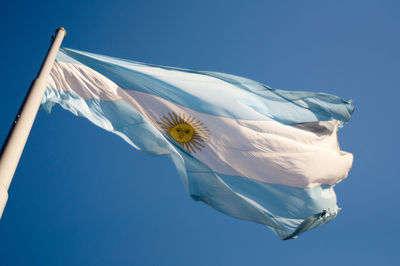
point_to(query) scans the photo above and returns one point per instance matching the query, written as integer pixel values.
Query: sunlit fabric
(259, 154)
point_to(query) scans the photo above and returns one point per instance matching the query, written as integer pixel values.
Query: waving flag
(260, 154)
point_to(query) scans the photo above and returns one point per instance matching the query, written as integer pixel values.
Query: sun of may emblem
(186, 130)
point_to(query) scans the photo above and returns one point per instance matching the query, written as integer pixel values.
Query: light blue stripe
(260, 102)
(285, 201)
(282, 208)
(324, 106)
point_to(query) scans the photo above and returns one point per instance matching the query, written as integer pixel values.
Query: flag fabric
(255, 153)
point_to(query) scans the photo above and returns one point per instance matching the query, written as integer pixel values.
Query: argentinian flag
(249, 151)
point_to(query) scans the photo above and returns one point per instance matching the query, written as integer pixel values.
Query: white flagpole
(19, 132)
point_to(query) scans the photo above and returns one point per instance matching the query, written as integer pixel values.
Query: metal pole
(19, 132)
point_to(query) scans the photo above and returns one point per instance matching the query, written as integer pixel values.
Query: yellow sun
(186, 130)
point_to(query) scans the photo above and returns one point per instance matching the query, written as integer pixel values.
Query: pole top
(62, 28)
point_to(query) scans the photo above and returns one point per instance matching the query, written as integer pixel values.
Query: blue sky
(82, 196)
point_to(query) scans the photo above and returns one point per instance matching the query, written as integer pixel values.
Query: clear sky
(82, 196)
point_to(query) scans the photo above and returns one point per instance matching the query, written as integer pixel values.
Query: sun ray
(172, 119)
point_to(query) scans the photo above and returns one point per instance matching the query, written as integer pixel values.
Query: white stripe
(266, 151)
(82, 80)
(263, 150)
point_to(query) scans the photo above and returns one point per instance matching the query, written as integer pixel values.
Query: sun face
(186, 130)
(182, 132)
